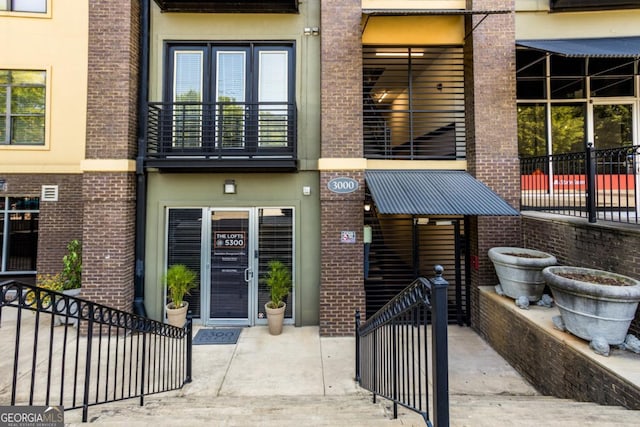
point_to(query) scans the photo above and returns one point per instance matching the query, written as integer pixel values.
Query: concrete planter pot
(177, 316)
(275, 318)
(64, 306)
(590, 309)
(519, 271)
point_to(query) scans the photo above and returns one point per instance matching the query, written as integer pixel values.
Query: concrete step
(242, 411)
(351, 410)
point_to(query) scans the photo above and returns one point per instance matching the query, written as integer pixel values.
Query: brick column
(492, 148)
(109, 196)
(342, 281)
(342, 273)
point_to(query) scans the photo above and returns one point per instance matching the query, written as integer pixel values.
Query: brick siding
(109, 239)
(113, 79)
(109, 198)
(341, 84)
(342, 280)
(492, 148)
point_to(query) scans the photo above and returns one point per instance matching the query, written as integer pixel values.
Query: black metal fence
(74, 353)
(392, 351)
(594, 184)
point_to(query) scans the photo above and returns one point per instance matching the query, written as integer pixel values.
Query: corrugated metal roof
(433, 192)
(607, 47)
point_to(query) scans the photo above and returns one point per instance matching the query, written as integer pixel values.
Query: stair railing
(74, 353)
(392, 350)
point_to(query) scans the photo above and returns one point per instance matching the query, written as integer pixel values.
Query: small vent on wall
(49, 193)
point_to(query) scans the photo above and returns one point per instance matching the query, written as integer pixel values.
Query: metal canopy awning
(607, 47)
(433, 192)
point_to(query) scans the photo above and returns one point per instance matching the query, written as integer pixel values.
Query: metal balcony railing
(595, 184)
(222, 133)
(73, 353)
(392, 351)
(229, 6)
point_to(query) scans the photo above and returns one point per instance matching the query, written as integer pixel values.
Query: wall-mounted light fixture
(400, 54)
(229, 186)
(367, 207)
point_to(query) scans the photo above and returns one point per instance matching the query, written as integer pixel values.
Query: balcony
(229, 6)
(192, 136)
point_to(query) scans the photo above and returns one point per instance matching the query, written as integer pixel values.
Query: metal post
(143, 329)
(440, 350)
(590, 167)
(394, 368)
(358, 346)
(189, 332)
(87, 369)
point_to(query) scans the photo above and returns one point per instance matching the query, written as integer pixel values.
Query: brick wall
(551, 365)
(341, 85)
(492, 149)
(109, 198)
(59, 222)
(342, 280)
(113, 79)
(578, 243)
(108, 239)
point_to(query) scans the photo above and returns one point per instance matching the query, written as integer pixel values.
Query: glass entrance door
(231, 266)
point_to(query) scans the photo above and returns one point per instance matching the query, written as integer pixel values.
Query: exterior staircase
(356, 409)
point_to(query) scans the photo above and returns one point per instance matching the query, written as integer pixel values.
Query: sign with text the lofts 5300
(342, 185)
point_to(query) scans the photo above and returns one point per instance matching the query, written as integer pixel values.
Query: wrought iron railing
(74, 353)
(221, 130)
(595, 184)
(392, 351)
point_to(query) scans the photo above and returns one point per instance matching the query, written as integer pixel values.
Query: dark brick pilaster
(109, 197)
(492, 148)
(108, 238)
(342, 281)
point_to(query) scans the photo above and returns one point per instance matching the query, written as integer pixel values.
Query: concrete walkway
(300, 378)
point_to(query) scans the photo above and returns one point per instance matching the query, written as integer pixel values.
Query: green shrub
(278, 280)
(179, 280)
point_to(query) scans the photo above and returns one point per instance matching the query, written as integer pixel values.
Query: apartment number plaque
(342, 185)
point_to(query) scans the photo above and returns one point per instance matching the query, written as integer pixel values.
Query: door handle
(248, 274)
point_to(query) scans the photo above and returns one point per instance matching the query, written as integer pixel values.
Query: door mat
(217, 336)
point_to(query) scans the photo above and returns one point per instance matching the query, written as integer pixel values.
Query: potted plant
(179, 280)
(278, 280)
(71, 275)
(594, 303)
(519, 271)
